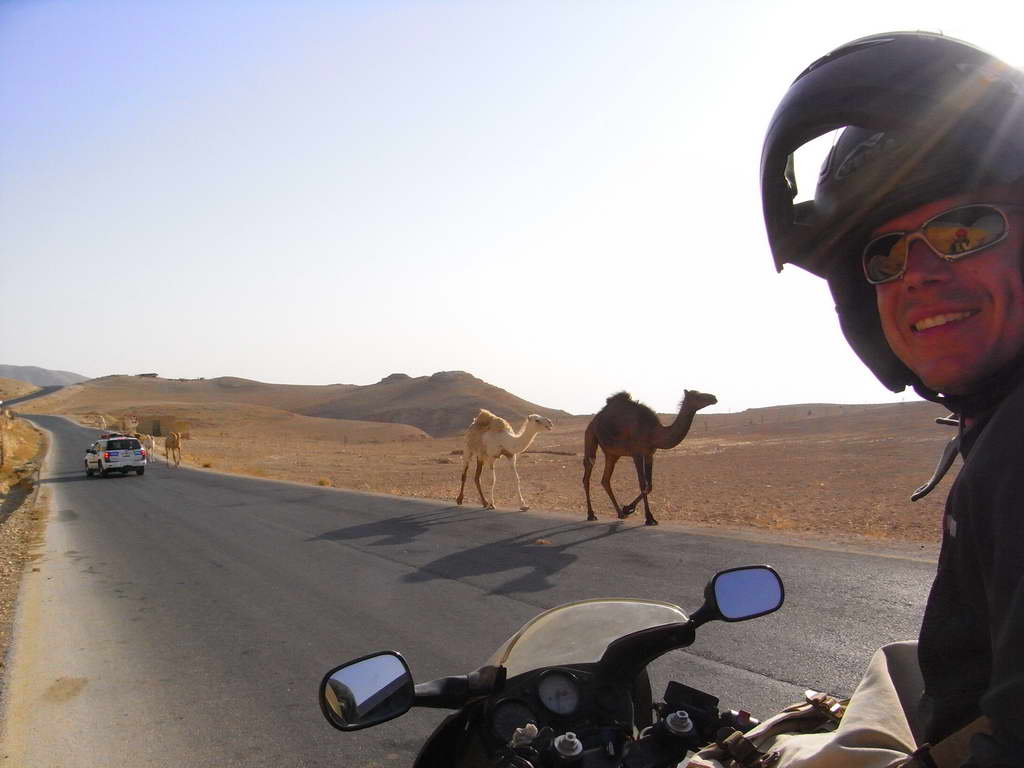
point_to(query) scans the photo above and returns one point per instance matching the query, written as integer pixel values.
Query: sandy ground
(828, 477)
(811, 470)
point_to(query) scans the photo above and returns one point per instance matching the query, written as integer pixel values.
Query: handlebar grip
(443, 693)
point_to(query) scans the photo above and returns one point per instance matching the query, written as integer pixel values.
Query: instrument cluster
(555, 697)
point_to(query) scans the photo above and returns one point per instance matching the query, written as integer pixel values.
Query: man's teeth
(931, 322)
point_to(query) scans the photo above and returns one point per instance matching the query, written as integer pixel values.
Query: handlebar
(456, 692)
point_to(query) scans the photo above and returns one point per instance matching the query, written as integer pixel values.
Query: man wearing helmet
(917, 224)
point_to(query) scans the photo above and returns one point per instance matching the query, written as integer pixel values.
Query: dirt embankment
(22, 517)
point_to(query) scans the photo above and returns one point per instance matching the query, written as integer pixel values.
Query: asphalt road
(186, 617)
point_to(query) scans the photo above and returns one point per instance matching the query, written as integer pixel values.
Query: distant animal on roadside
(625, 427)
(490, 437)
(149, 443)
(172, 448)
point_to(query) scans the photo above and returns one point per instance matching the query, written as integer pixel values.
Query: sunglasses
(952, 235)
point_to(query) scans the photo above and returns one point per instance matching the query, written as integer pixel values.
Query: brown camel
(172, 448)
(625, 427)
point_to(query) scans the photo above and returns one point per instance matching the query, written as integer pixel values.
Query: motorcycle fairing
(580, 632)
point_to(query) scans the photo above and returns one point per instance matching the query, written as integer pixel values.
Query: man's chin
(951, 382)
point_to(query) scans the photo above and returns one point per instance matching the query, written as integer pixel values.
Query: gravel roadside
(24, 509)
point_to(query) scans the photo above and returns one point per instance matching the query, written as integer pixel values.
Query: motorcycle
(570, 688)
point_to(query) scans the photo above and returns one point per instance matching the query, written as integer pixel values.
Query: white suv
(115, 453)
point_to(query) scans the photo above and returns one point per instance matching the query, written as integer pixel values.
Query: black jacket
(971, 646)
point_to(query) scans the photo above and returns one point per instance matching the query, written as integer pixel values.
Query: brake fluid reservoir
(568, 746)
(679, 723)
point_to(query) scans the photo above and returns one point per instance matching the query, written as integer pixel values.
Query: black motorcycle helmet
(924, 116)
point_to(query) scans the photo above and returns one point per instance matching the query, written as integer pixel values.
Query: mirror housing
(747, 592)
(738, 594)
(367, 691)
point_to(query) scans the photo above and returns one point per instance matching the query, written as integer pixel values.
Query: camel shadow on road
(396, 531)
(541, 553)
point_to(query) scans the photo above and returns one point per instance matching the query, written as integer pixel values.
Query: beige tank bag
(875, 728)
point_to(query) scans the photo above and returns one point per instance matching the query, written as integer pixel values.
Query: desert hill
(441, 404)
(149, 389)
(235, 414)
(41, 377)
(11, 388)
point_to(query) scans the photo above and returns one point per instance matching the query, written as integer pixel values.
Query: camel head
(697, 400)
(538, 422)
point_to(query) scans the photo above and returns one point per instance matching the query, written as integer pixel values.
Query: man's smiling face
(954, 323)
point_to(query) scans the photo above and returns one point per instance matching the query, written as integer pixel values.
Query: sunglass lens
(885, 257)
(965, 230)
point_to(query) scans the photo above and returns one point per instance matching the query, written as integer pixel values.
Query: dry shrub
(324, 481)
(207, 464)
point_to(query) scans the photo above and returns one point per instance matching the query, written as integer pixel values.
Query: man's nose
(924, 265)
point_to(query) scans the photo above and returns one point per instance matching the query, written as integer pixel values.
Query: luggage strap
(742, 750)
(817, 710)
(829, 705)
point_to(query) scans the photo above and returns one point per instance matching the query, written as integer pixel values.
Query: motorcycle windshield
(579, 633)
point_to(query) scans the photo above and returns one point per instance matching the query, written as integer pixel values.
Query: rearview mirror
(746, 593)
(367, 691)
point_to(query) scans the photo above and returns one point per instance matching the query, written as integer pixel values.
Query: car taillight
(106, 455)
(143, 452)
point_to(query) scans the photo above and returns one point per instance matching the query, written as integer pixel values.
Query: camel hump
(483, 419)
(620, 397)
(486, 421)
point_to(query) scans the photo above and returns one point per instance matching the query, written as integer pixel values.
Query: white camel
(490, 437)
(149, 443)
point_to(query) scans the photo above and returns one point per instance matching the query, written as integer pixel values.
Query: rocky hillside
(41, 377)
(441, 404)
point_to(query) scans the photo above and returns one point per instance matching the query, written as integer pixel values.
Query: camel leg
(645, 474)
(606, 482)
(462, 486)
(476, 479)
(523, 506)
(588, 468)
(589, 455)
(645, 482)
(494, 482)
(629, 509)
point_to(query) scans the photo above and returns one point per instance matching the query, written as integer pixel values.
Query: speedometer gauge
(507, 716)
(559, 692)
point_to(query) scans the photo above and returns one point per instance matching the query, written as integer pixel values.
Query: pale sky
(558, 197)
